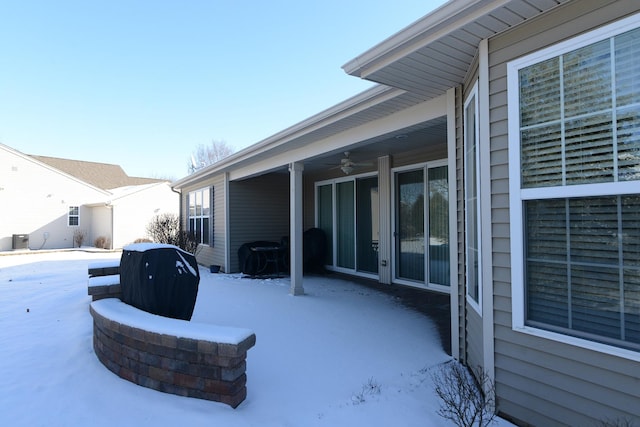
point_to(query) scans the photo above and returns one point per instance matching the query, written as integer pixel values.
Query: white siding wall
(133, 212)
(34, 200)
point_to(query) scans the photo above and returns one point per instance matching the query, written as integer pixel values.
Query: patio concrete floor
(435, 305)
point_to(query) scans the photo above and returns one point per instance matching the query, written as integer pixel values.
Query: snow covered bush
(165, 228)
(465, 401)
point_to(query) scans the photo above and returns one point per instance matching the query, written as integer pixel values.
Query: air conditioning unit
(20, 241)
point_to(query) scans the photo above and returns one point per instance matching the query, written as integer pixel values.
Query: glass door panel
(410, 246)
(325, 217)
(367, 224)
(438, 184)
(345, 225)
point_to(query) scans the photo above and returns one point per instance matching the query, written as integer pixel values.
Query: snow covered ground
(341, 355)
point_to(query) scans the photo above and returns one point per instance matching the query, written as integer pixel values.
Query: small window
(74, 216)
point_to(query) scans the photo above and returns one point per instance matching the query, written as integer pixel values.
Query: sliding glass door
(421, 200)
(347, 210)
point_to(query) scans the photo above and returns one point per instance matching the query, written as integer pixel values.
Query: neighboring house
(498, 161)
(45, 200)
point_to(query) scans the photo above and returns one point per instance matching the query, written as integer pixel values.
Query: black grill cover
(159, 279)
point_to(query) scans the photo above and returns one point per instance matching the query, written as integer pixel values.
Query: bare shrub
(465, 401)
(79, 236)
(371, 388)
(142, 240)
(165, 228)
(102, 242)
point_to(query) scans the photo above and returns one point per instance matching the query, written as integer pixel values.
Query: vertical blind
(325, 218)
(345, 226)
(439, 226)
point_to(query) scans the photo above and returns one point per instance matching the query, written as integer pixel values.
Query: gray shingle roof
(102, 175)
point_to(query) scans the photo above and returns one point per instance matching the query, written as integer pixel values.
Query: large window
(200, 215)
(575, 165)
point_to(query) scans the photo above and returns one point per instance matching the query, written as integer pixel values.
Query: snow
(114, 309)
(340, 355)
(143, 247)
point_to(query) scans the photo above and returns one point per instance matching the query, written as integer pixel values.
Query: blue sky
(143, 83)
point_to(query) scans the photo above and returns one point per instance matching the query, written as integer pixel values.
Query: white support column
(385, 239)
(227, 226)
(296, 225)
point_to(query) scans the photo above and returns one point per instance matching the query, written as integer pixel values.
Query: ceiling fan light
(347, 169)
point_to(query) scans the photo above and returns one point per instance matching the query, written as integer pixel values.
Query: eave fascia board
(360, 102)
(442, 21)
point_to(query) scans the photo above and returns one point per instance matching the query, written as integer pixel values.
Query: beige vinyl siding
(537, 378)
(473, 345)
(459, 197)
(258, 210)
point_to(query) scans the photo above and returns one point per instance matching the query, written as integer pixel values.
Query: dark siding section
(258, 210)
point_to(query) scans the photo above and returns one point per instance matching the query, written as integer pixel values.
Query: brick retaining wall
(104, 280)
(171, 355)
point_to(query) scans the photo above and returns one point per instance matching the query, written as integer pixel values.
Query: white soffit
(434, 53)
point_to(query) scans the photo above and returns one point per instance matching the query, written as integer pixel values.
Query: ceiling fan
(347, 165)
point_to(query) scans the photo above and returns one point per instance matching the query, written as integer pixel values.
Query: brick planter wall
(171, 355)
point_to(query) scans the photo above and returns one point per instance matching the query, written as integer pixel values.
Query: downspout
(179, 193)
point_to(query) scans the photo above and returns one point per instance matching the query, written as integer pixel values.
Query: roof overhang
(415, 66)
(292, 144)
(435, 53)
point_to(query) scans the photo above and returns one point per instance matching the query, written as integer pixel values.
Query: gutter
(439, 23)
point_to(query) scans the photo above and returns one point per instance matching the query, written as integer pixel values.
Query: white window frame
(519, 195)
(333, 182)
(70, 215)
(208, 192)
(473, 97)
